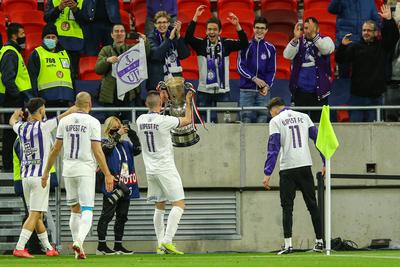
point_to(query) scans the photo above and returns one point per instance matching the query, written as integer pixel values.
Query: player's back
(77, 131)
(155, 139)
(293, 127)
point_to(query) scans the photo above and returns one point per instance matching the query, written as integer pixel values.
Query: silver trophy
(175, 87)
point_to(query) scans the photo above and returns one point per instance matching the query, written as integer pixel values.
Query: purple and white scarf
(215, 65)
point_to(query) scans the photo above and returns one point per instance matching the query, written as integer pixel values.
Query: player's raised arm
(183, 121)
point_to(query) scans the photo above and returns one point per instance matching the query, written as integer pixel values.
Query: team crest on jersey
(263, 56)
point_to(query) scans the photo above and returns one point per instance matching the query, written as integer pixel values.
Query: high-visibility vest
(22, 79)
(54, 69)
(66, 23)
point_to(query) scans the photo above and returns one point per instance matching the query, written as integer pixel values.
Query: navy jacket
(351, 15)
(9, 68)
(158, 52)
(112, 7)
(258, 60)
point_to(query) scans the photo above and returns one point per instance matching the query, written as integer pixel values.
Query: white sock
(159, 227)
(319, 241)
(74, 225)
(85, 225)
(172, 224)
(23, 238)
(288, 242)
(44, 239)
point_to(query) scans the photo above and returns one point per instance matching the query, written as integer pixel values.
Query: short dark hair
(214, 20)
(117, 24)
(13, 28)
(311, 19)
(371, 22)
(34, 104)
(153, 92)
(275, 102)
(261, 20)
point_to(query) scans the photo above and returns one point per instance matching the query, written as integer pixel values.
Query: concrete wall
(233, 155)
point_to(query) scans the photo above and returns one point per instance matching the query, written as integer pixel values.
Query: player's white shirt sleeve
(60, 130)
(95, 134)
(309, 121)
(50, 124)
(16, 126)
(170, 122)
(273, 127)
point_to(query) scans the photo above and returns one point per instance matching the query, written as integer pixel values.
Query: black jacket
(369, 60)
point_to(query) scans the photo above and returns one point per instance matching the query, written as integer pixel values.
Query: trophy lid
(175, 81)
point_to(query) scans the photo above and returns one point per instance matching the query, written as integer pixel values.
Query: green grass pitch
(342, 259)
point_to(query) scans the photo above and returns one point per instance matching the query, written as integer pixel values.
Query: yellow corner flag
(327, 142)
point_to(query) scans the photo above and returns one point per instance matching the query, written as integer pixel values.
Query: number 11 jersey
(77, 131)
(154, 131)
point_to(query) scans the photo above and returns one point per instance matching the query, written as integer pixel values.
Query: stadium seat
(282, 68)
(3, 26)
(239, 4)
(323, 4)
(86, 68)
(137, 5)
(190, 68)
(278, 4)
(33, 40)
(281, 20)
(192, 4)
(379, 3)
(186, 16)
(10, 6)
(32, 21)
(326, 21)
(246, 19)
(279, 40)
(126, 20)
(139, 17)
(233, 70)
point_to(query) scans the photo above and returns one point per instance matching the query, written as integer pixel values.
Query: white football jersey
(77, 131)
(35, 145)
(293, 127)
(155, 139)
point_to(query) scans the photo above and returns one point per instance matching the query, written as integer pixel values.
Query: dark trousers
(301, 179)
(8, 138)
(310, 100)
(120, 209)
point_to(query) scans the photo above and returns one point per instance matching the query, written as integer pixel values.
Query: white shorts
(80, 189)
(163, 187)
(36, 197)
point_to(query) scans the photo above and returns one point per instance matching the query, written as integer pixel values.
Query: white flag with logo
(130, 70)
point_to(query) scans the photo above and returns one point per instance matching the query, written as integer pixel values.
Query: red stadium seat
(126, 21)
(246, 19)
(139, 17)
(190, 68)
(186, 16)
(3, 27)
(326, 21)
(379, 3)
(282, 68)
(233, 70)
(32, 21)
(10, 6)
(279, 40)
(278, 4)
(192, 4)
(137, 5)
(239, 4)
(86, 68)
(323, 4)
(281, 20)
(33, 40)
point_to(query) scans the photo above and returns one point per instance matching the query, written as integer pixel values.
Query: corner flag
(327, 142)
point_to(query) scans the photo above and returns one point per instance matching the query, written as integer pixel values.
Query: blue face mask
(50, 43)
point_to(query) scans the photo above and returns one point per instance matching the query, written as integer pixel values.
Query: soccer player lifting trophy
(175, 89)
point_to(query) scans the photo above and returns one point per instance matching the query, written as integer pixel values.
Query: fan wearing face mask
(50, 72)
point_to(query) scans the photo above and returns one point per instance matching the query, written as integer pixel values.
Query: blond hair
(162, 14)
(109, 123)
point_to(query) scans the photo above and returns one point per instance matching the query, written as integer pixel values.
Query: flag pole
(328, 207)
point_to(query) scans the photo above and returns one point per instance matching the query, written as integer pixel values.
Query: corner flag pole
(328, 230)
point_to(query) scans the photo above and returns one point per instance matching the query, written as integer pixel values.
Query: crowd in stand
(367, 53)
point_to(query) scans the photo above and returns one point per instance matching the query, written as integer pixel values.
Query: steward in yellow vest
(15, 86)
(50, 71)
(68, 18)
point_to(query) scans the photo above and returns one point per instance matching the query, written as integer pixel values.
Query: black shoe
(319, 247)
(122, 251)
(104, 250)
(285, 250)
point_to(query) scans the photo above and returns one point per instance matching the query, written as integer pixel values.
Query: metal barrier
(321, 187)
(209, 110)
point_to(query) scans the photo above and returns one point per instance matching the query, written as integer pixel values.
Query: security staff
(49, 70)
(15, 85)
(68, 17)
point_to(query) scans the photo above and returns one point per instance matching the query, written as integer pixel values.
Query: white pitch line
(368, 256)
